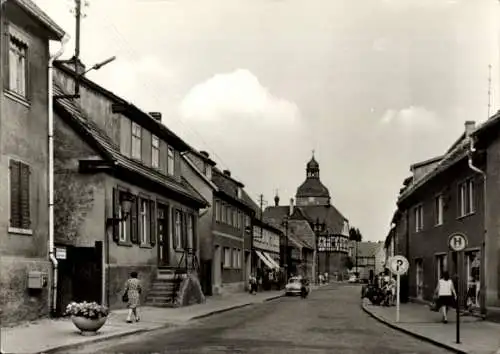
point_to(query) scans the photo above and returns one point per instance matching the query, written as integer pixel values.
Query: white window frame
(466, 197)
(136, 144)
(18, 54)
(419, 218)
(155, 151)
(438, 210)
(170, 161)
(235, 258)
(144, 221)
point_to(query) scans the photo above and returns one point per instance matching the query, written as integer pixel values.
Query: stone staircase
(163, 288)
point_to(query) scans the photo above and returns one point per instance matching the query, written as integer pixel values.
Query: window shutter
(152, 223)
(116, 225)
(25, 196)
(15, 188)
(134, 229)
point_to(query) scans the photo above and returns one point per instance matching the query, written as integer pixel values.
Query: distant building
(367, 259)
(313, 204)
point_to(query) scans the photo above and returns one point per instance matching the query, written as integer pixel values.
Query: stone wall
(18, 302)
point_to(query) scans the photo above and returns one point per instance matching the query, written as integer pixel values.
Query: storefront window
(473, 262)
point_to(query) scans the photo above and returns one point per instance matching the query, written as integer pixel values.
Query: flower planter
(88, 326)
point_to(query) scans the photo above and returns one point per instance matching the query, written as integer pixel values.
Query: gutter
(53, 301)
(483, 278)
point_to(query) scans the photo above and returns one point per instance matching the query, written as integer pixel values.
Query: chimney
(227, 173)
(204, 153)
(291, 207)
(156, 116)
(470, 125)
(276, 200)
(70, 63)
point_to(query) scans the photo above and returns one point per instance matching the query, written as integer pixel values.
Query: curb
(413, 334)
(63, 348)
(101, 339)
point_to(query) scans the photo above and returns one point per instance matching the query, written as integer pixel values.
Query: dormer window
(155, 151)
(170, 161)
(239, 193)
(136, 141)
(207, 170)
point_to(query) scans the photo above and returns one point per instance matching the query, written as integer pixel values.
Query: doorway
(419, 263)
(163, 241)
(217, 267)
(79, 276)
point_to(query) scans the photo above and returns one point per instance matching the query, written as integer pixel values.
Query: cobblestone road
(329, 321)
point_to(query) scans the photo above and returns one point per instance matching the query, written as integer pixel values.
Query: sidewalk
(476, 336)
(49, 335)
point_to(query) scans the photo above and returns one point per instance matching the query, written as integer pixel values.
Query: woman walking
(133, 290)
(445, 291)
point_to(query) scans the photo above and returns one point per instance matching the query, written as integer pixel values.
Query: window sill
(18, 231)
(125, 243)
(17, 98)
(466, 215)
(145, 245)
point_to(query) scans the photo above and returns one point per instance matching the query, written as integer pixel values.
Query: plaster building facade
(26, 271)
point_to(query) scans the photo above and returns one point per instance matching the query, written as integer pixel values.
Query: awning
(264, 259)
(271, 260)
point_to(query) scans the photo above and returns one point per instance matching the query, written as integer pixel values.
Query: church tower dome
(312, 191)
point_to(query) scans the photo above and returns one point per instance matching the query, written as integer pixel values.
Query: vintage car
(294, 286)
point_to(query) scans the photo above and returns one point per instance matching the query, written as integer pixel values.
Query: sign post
(399, 265)
(457, 242)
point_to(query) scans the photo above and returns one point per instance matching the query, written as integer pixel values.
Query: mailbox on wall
(37, 280)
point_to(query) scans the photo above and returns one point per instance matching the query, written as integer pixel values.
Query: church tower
(312, 191)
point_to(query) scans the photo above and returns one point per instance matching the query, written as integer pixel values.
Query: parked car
(353, 279)
(294, 286)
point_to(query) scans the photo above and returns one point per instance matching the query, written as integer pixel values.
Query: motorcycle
(374, 294)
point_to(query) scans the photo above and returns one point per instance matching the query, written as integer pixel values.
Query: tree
(355, 234)
(348, 263)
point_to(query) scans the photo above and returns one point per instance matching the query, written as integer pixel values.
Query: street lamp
(317, 230)
(126, 201)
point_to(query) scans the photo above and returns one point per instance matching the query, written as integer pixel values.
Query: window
(190, 232)
(19, 195)
(178, 229)
(239, 193)
(170, 161)
(144, 222)
(227, 257)
(136, 141)
(247, 221)
(235, 218)
(155, 151)
(235, 258)
(18, 68)
(473, 263)
(224, 213)
(438, 210)
(441, 265)
(122, 228)
(207, 170)
(466, 198)
(238, 220)
(419, 218)
(217, 211)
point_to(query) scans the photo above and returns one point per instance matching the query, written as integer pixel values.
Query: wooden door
(163, 235)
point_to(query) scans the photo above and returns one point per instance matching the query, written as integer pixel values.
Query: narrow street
(329, 321)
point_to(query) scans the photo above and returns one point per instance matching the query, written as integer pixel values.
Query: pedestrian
(133, 290)
(445, 291)
(253, 284)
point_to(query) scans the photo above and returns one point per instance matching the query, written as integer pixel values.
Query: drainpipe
(53, 259)
(483, 246)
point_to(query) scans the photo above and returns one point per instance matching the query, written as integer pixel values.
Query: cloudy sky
(372, 86)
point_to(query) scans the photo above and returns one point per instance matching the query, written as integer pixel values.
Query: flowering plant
(87, 309)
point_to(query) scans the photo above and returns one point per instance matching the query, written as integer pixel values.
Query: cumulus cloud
(238, 96)
(411, 117)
